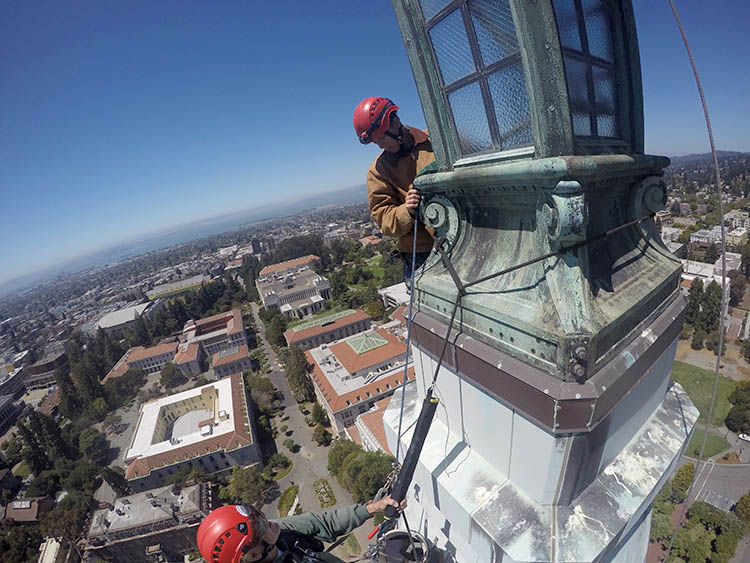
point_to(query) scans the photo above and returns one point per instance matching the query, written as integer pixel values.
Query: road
(311, 460)
(731, 481)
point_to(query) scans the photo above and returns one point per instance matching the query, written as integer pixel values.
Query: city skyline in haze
(121, 120)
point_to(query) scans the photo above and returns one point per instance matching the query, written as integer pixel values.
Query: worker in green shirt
(242, 534)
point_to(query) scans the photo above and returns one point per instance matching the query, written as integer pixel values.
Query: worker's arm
(392, 217)
(329, 525)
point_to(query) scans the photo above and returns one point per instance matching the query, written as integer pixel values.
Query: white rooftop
(340, 379)
(122, 316)
(144, 509)
(184, 425)
(397, 293)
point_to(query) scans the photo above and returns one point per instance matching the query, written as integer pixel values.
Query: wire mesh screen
(452, 48)
(508, 91)
(477, 52)
(494, 29)
(432, 7)
(605, 96)
(588, 52)
(567, 24)
(597, 30)
(470, 118)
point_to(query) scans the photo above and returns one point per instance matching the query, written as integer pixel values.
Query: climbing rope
(408, 330)
(723, 308)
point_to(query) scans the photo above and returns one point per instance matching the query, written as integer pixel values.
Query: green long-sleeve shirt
(327, 526)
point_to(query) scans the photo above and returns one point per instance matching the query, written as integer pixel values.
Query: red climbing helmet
(229, 531)
(372, 117)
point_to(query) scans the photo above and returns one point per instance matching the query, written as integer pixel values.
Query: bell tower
(557, 423)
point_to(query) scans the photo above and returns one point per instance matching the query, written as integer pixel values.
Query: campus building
(117, 323)
(294, 288)
(369, 431)
(216, 332)
(189, 358)
(28, 510)
(41, 374)
(230, 360)
(158, 525)
(350, 376)
(327, 328)
(290, 266)
(151, 359)
(176, 288)
(394, 295)
(12, 383)
(210, 427)
(8, 412)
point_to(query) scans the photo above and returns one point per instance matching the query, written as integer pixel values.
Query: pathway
(311, 460)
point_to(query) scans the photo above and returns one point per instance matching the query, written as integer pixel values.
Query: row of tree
(298, 374)
(360, 472)
(702, 315)
(709, 534)
(71, 458)
(738, 417)
(212, 297)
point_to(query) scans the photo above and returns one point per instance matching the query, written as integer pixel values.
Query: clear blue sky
(118, 118)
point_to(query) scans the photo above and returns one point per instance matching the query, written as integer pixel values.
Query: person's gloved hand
(413, 198)
(384, 503)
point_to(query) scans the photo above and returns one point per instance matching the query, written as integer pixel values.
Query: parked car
(744, 437)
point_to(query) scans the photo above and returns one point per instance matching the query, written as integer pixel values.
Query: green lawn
(22, 470)
(321, 313)
(698, 383)
(286, 499)
(714, 445)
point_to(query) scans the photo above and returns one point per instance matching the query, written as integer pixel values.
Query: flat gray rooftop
(137, 511)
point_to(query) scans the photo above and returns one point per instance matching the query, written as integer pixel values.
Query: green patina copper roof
(367, 342)
(320, 321)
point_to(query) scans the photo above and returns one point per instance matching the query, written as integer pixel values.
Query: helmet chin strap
(399, 137)
(405, 141)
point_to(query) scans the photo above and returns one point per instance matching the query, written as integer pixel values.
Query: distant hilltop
(178, 234)
(706, 156)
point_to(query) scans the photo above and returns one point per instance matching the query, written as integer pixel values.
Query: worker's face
(270, 537)
(388, 143)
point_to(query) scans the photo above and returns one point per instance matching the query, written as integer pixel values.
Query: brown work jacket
(388, 180)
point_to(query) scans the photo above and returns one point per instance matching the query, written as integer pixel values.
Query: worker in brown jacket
(392, 198)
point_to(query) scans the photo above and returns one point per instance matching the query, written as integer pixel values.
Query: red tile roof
(240, 354)
(289, 264)
(231, 320)
(190, 354)
(354, 362)
(374, 421)
(294, 337)
(354, 434)
(371, 241)
(119, 368)
(230, 441)
(141, 353)
(37, 506)
(336, 402)
(400, 315)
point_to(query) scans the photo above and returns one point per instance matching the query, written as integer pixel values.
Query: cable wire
(408, 333)
(723, 306)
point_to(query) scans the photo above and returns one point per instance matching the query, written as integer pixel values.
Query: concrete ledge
(497, 519)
